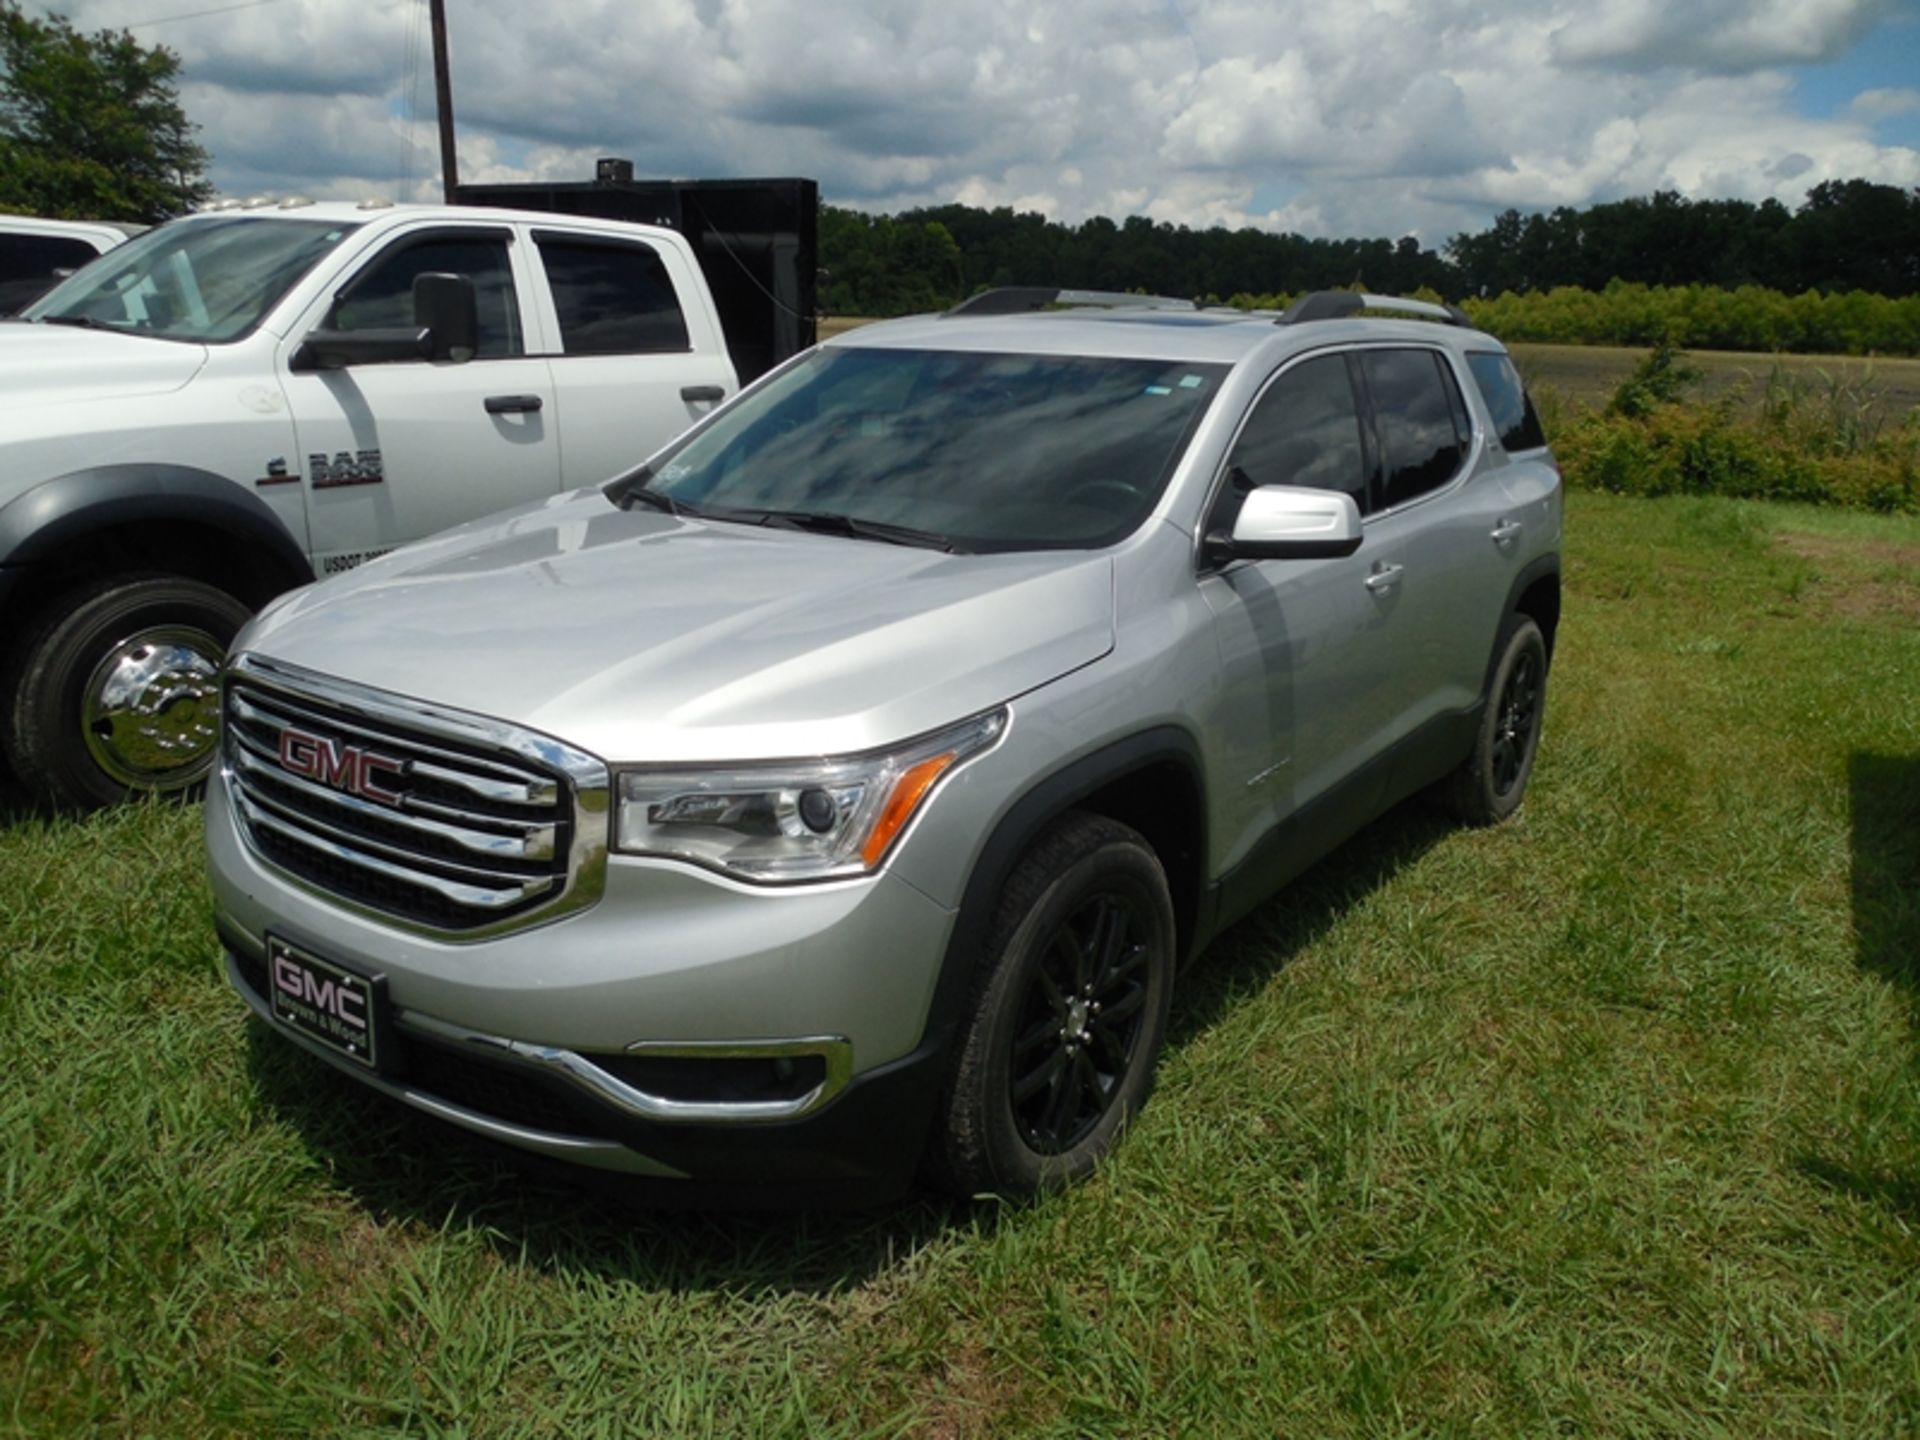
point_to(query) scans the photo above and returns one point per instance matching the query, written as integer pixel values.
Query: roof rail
(1018, 299)
(1344, 304)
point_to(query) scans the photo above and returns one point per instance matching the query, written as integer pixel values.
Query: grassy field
(1606, 1121)
(1587, 374)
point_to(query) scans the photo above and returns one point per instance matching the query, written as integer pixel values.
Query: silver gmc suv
(836, 797)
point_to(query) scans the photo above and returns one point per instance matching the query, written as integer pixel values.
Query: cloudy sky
(1324, 116)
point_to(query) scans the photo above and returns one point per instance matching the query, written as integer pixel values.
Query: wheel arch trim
(1022, 823)
(1542, 567)
(68, 508)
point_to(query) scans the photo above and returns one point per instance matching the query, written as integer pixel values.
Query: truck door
(397, 450)
(640, 354)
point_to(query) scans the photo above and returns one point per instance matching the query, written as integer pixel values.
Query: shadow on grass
(1885, 793)
(1886, 866)
(1246, 956)
(407, 1168)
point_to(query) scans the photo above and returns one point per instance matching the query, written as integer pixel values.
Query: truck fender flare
(1022, 824)
(71, 506)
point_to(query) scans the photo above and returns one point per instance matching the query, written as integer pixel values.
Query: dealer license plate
(343, 1010)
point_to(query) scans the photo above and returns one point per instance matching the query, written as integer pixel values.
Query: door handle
(1506, 532)
(1384, 577)
(694, 393)
(513, 404)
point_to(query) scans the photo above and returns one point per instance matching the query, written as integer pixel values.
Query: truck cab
(241, 400)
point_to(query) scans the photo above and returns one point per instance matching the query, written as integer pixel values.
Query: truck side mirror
(1290, 522)
(446, 307)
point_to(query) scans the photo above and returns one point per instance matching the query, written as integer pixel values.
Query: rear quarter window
(1514, 419)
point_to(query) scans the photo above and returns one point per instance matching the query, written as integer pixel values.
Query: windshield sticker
(1192, 382)
(1159, 389)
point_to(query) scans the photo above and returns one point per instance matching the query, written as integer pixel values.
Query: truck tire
(114, 691)
(1058, 1049)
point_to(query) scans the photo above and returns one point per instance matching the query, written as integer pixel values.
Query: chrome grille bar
(442, 822)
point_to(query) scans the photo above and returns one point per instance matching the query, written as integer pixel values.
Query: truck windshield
(983, 451)
(208, 280)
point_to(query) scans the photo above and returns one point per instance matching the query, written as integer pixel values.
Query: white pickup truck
(241, 400)
(36, 254)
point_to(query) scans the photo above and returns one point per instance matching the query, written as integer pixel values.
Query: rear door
(637, 355)
(395, 451)
(1443, 520)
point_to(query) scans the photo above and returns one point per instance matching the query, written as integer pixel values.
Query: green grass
(1604, 1121)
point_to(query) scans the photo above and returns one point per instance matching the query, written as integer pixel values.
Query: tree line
(1848, 235)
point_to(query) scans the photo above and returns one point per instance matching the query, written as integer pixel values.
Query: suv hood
(47, 364)
(643, 637)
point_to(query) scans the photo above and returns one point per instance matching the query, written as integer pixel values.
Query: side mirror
(446, 307)
(1290, 522)
(446, 326)
(337, 349)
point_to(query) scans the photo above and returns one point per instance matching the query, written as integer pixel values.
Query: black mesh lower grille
(496, 1091)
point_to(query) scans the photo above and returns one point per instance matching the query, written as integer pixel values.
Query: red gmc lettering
(340, 767)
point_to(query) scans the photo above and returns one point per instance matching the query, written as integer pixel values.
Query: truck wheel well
(1161, 802)
(176, 547)
(1541, 601)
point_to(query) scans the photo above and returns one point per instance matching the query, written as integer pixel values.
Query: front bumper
(520, 1037)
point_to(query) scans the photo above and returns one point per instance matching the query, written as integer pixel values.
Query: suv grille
(451, 824)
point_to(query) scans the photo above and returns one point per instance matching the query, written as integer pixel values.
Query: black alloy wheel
(1080, 1025)
(1491, 781)
(1065, 1016)
(1518, 724)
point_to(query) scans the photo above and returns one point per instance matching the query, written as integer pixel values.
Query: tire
(1053, 934)
(1492, 781)
(114, 691)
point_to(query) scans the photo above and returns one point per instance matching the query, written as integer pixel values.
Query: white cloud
(1727, 35)
(1372, 116)
(1884, 104)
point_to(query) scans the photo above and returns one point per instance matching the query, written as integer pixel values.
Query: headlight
(802, 820)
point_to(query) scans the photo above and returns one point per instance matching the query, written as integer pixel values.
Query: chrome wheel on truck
(116, 693)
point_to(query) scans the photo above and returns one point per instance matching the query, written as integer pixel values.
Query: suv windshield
(987, 451)
(202, 280)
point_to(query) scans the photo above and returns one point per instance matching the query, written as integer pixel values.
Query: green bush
(1812, 443)
(1706, 317)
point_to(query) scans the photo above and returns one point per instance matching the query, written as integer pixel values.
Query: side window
(1416, 401)
(612, 297)
(381, 298)
(1305, 430)
(1514, 418)
(28, 264)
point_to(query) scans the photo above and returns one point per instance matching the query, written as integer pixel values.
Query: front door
(395, 451)
(1306, 645)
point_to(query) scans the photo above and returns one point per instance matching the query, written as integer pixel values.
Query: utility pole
(443, 96)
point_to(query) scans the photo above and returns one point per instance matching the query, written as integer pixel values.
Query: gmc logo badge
(339, 767)
(344, 1004)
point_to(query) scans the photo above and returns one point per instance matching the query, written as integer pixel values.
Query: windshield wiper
(633, 489)
(828, 522)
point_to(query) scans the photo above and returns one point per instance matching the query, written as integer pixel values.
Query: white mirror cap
(1292, 512)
